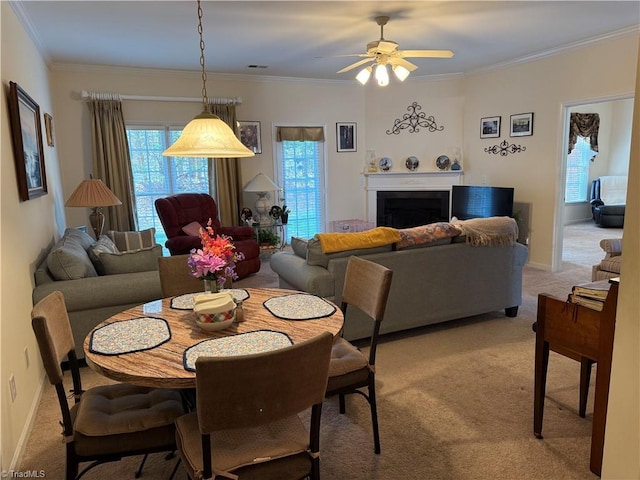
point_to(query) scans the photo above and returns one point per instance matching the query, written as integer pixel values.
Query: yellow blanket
(339, 242)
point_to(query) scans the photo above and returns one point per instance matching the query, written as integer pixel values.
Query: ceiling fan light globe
(382, 75)
(401, 72)
(363, 75)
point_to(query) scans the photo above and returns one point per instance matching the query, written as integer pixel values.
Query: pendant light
(207, 135)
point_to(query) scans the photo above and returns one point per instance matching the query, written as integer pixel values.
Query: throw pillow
(68, 259)
(127, 241)
(299, 246)
(315, 256)
(193, 229)
(439, 232)
(83, 238)
(132, 261)
(103, 245)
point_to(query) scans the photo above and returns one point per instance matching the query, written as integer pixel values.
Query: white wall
(622, 436)
(541, 87)
(26, 230)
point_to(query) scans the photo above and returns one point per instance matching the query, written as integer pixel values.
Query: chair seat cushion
(124, 408)
(345, 358)
(232, 449)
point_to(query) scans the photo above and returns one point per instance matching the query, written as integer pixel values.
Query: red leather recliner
(177, 211)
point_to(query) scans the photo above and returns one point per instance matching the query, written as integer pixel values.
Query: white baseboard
(28, 426)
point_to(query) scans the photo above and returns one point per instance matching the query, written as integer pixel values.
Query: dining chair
(366, 287)
(246, 423)
(105, 423)
(175, 278)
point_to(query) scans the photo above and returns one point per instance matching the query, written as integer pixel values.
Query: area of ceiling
(301, 39)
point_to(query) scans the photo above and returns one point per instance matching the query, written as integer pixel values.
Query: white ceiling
(288, 37)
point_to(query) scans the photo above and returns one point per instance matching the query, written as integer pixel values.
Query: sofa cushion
(299, 246)
(192, 229)
(131, 261)
(315, 256)
(611, 264)
(126, 241)
(103, 245)
(68, 259)
(433, 234)
(83, 238)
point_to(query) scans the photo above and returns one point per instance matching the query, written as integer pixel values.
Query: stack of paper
(591, 295)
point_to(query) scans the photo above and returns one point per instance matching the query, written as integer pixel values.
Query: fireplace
(429, 192)
(406, 209)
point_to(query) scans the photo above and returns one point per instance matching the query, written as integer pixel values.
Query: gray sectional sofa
(435, 282)
(130, 278)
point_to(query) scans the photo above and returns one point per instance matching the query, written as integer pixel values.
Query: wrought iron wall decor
(505, 148)
(414, 120)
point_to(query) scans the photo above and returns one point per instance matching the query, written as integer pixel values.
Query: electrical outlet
(26, 356)
(12, 388)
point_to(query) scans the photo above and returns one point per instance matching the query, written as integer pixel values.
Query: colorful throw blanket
(339, 242)
(490, 232)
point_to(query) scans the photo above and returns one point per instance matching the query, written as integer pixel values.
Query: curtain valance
(300, 134)
(584, 125)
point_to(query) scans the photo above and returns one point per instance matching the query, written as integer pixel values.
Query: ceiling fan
(381, 53)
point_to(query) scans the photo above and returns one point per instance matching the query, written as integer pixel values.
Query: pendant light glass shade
(382, 75)
(208, 136)
(401, 72)
(363, 75)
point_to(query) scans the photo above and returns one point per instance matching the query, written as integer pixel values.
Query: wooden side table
(581, 333)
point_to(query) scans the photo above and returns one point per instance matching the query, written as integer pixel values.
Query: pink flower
(217, 258)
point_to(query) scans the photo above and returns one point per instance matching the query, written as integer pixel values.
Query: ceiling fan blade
(355, 65)
(386, 47)
(401, 61)
(346, 55)
(426, 53)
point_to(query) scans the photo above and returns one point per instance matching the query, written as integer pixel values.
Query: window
(577, 183)
(156, 176)
(301, 176)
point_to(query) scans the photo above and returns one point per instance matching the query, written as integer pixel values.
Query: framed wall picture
(346, 137)
(26, 132)
(48, 128)
(522, 125)
(250, 136)
(490, 127)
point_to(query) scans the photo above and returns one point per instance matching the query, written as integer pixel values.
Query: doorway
(574, 220)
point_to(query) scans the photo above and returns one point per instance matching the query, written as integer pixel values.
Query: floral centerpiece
(215, 261)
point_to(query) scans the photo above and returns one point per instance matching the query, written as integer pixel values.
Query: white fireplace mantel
(418, 181)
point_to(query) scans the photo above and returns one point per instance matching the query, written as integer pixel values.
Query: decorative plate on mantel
(443, 162)
(385, 164)
(412, 163)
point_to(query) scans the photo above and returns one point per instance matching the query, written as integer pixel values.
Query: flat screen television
(481, 201)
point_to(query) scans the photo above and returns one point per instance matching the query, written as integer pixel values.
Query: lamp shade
(401, 72)
(92, 193)
(363, 75)
(208, 136)
(261, 183)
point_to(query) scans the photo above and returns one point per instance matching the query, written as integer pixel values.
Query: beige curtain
(228, 181)
(584, 125)
(111, 160)
(300, 134)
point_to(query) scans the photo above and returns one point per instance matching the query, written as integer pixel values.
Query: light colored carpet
(455, 401)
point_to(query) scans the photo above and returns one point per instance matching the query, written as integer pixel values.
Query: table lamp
(93, 193)
(262, 185)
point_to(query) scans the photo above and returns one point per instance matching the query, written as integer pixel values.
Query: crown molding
(625, 32)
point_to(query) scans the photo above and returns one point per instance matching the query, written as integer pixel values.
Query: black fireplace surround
(406, 209)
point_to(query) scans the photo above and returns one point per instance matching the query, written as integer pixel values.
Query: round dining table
(156, 344)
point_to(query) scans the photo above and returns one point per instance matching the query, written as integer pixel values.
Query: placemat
(185, 302)
(128, 336)
(242, 344)
(299, 306)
